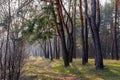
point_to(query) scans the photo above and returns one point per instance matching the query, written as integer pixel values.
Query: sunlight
(104, 1)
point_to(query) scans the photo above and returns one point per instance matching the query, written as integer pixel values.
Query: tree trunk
(50, 50)
(74, 29)
(95, 21)
(61, 32)
(115, 30)
(84, 36)
(86, 41)
(64, 48)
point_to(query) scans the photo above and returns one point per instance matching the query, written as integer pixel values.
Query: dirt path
(40, 69)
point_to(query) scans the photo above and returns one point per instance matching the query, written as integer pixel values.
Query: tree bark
(115, 30)
(95, 21)
(84, 36)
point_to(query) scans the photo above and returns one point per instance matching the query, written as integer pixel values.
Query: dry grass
(42, 69)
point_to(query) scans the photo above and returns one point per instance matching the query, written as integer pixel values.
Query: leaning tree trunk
(61, 32)
(64, 47)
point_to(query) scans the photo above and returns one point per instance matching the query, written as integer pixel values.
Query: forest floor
(42, 69)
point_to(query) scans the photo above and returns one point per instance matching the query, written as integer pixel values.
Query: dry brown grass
(42, 69)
